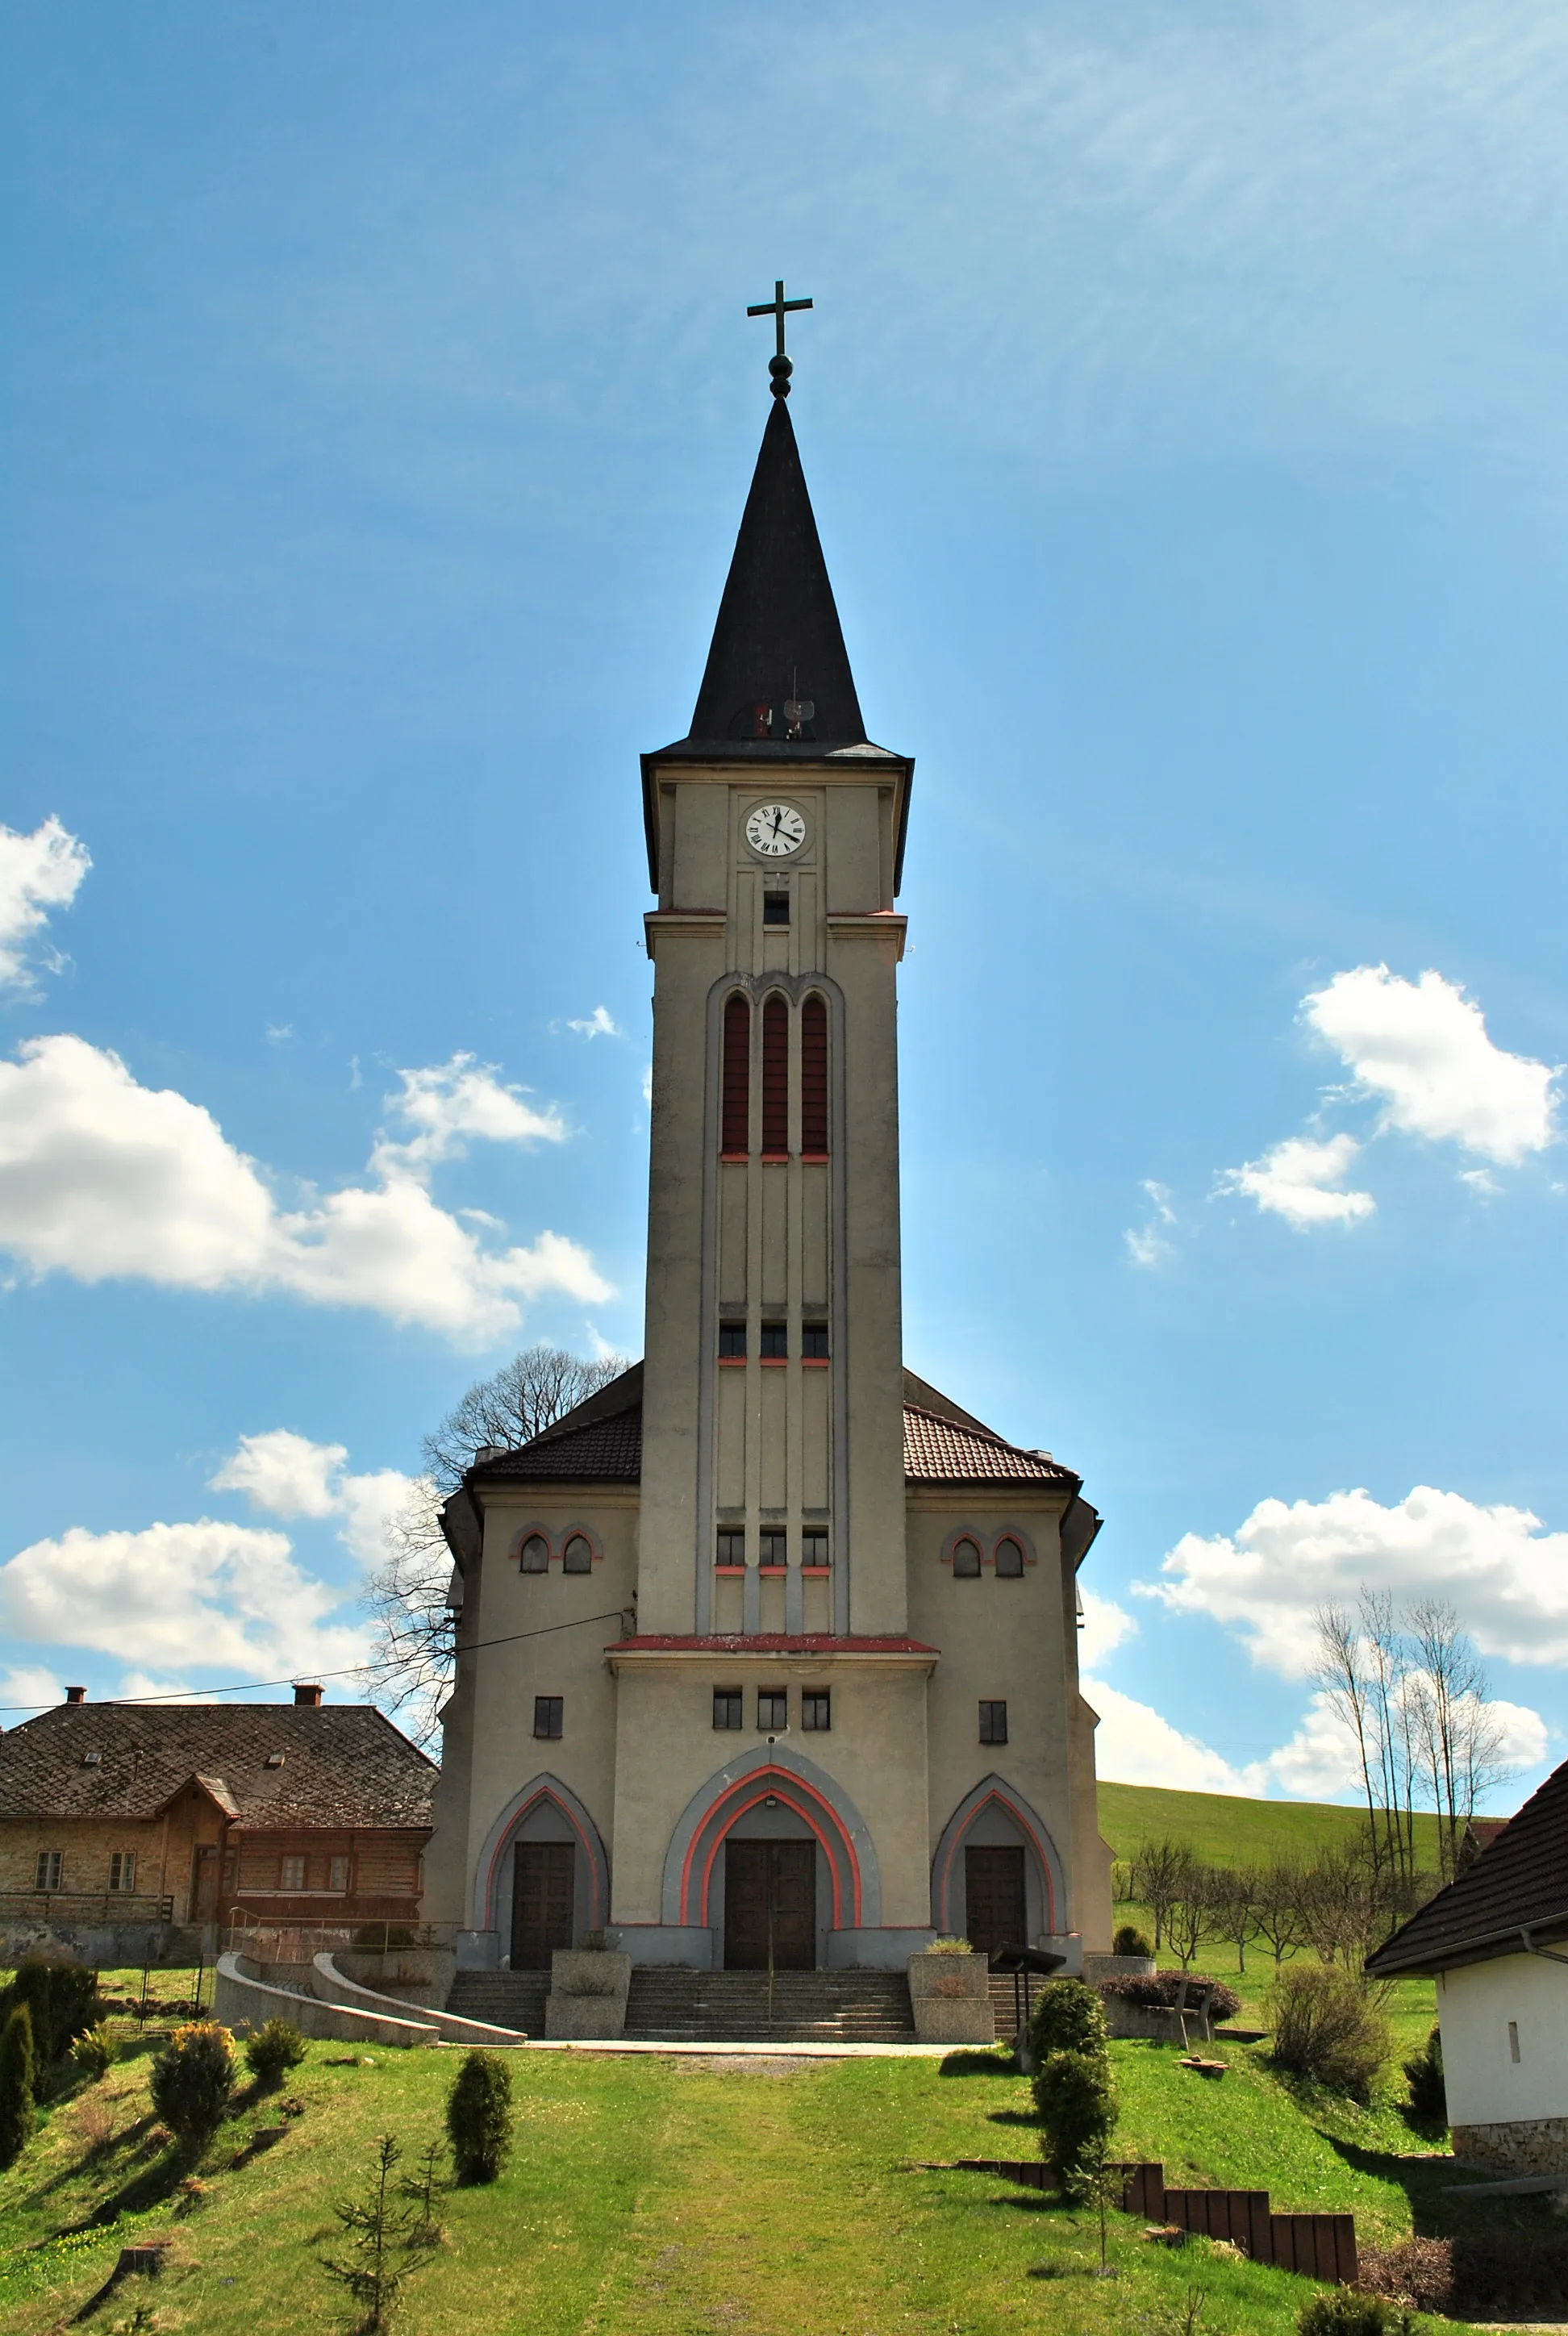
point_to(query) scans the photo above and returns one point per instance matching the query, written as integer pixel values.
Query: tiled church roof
(344, 1765)
(601, 1442)
(1520, 1882)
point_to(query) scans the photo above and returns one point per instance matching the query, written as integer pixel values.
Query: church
(767, 1653)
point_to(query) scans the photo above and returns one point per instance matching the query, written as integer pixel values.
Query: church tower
(841, 1713)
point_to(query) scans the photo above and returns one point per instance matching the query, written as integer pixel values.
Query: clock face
(776, 830)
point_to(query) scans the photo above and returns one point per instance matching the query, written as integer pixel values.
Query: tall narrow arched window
(735, 1136)
(1009, 1561)
(776, 1078)
(965, 1561)
(814, 1079)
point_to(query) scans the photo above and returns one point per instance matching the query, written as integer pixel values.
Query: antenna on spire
(778, 308)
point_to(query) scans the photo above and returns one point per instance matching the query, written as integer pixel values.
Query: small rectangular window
(732, 1342)
(548, 1713)
(814, 1342)
(47, 1870)
(731, 1545)
(775, 1342)
(726, 1708)
(291, 1873)
(816, 1710)
(993, 1723)
(1513, 2040)
(338, 1873)
(775, 907)
(122, 1869)
(813, 1549)
(775, 1547)
(772, 1707)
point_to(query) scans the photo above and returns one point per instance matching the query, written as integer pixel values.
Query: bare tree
(1342, 1907)
(1341, 1677)
(1233, 1907)
(1276, 1908)
(1159, 1873)
(1461, 1743)
(1190, 1912)
(413, 1626)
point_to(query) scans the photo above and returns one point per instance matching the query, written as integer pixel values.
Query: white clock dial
(776, 830)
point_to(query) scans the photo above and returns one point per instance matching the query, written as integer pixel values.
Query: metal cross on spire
(778, 308)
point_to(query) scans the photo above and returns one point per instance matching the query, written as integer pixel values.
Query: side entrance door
(770, 1881)
(994, 1898)
(543, 1885)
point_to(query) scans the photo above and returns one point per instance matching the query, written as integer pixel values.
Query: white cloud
(1104, 1627)
(27, 1687)
(648, 1085)
(287, 1476)
(1146, 1244)
(1422, 1047)
(1296, 1180)
(102, 1178)
(181, 1597)
(1134, 1745)
(278, 1032)
(600, 1024)
(37, 873)
(1507, 1579)
(136, 1685)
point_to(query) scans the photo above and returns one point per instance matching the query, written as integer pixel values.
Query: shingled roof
(601, 1442)
(345, 1766)
(1519, 1884)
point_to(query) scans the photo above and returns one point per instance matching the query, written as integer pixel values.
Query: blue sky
(1184, 411)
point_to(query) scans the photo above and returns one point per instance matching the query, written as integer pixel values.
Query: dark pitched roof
(601, 1442)
(778, 634)
(1519, 1882)
(344, 1764)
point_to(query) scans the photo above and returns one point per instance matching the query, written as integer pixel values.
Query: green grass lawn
(653, 2197)
(1226, 1830)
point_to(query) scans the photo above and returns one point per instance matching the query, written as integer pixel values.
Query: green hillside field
(1225, 1830)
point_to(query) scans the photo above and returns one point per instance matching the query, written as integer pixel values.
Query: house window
(535, 1554)
(338, 1873)
(814, 1342)
(291, 1873)
(726, 1711)
(775, 1547)
(776, 1079)
(731, 1545)
(772, 1707)
(47, 1870)
(814, 1550)
(775, 1342)
(816, 1710)
(775, 907)
(577, 1556)
(993, 1723)
(966, 1561)
(814, 1079)
(549, 1715)
(1514, 2040)
(122, 1869)
(736, 1116)
(1010, 1561)
(732, 1342)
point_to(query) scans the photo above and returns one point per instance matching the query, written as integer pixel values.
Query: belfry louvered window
(814, 1079)
(736, 1111)
(776, 1078)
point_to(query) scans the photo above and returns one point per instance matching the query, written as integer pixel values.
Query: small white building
(1497, 1942)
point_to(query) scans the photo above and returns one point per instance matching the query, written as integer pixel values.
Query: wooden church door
(543, 1885)
(763, 1876)
(994, 1899)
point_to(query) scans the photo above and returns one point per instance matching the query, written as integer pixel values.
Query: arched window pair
(736, 1131)
(576, 1557)
(1009, 1559)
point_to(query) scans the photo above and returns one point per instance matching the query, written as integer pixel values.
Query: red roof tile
(939, 1451)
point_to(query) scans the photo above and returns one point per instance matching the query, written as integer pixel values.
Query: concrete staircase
(816, 2007)
(506, 1999)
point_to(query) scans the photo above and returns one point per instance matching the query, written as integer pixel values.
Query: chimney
(75, 1695)
(309, 1696)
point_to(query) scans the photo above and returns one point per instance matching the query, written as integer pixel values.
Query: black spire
(777, 646)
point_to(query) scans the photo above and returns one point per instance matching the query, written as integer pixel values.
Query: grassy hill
(1227, 1831)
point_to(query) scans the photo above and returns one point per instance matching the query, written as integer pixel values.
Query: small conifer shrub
(275, 2047)
(1428, 2103)
(479, 2116)
(1130, 1941)
(95, 2051)
(1067, 2017)
(16, 2096)
(1346, 2313)
(192, 2079)
(1077, 2105)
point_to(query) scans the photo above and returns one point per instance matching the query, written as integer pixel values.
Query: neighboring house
(212, 1813)
(1498, 1940)
(767, 1654)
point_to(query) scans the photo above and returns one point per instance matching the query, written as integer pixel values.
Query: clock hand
(776, 817)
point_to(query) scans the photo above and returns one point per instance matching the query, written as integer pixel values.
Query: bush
(1428, 2103)
(1130, 1941)
(275, 2049)
(479, 2116)
(945, 1946)
(62, 2000)
(1156, 1992)
(1067, 2017)
(17, 2120)
(1326, 2029)
(192, 2079)
(1343, 2313)
(95, 2051)
(1077, 2105)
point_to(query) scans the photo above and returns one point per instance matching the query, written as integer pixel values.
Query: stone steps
(505, 1999)
(674, 2006)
